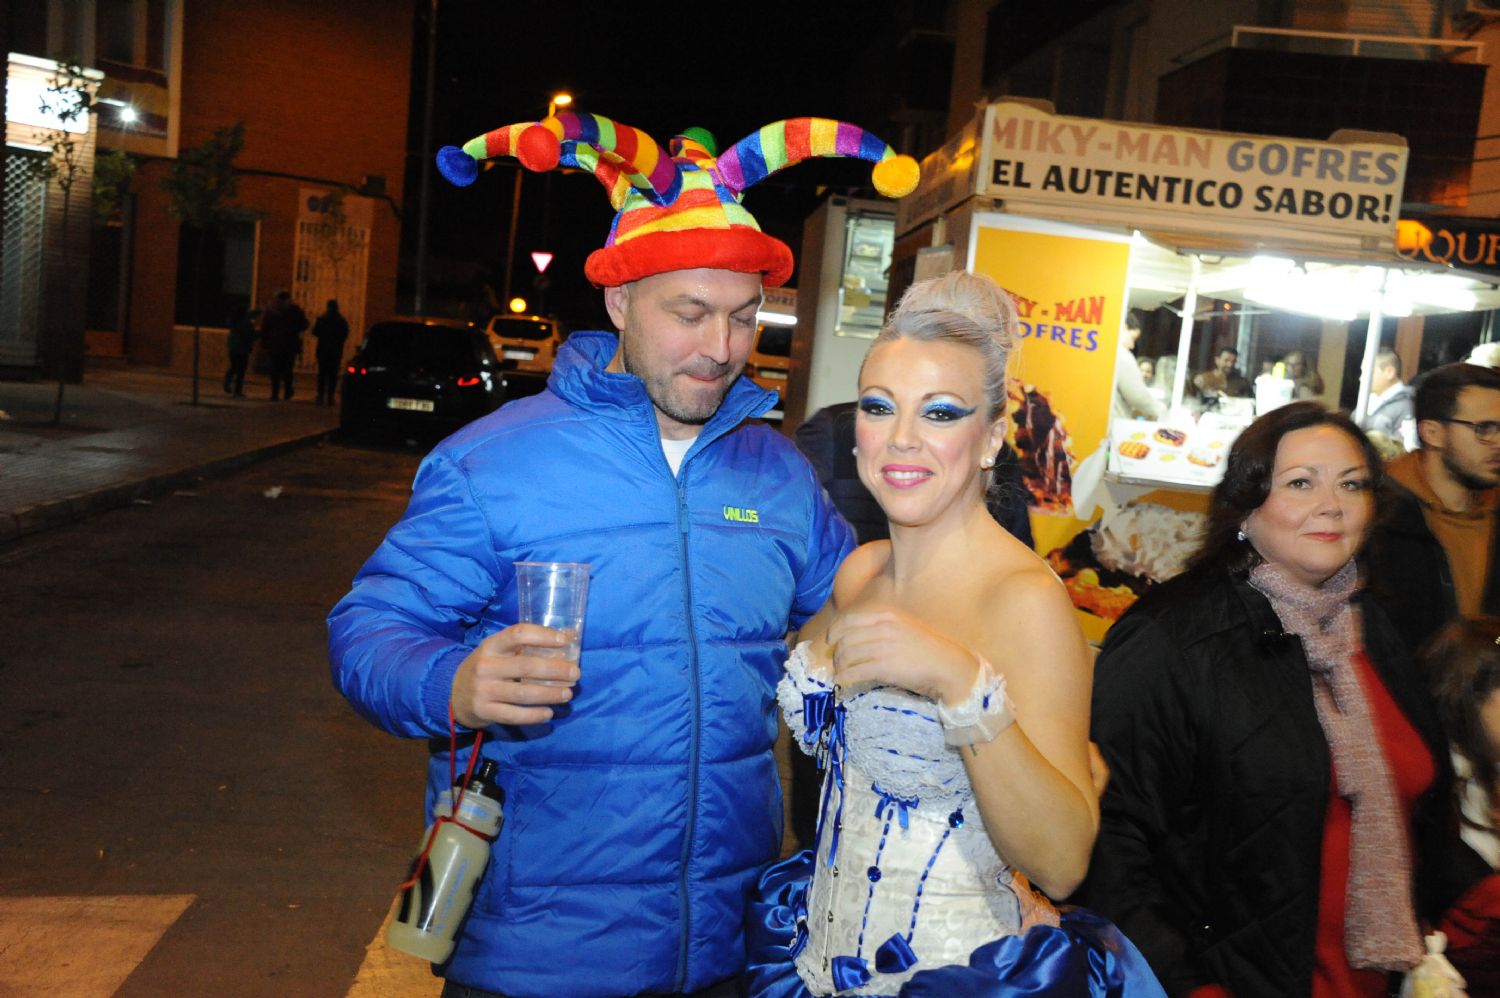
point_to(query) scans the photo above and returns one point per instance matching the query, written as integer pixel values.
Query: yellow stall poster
(1069, 289)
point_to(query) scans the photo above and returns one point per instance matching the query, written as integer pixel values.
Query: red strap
(421, 863)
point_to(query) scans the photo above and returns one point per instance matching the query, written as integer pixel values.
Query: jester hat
(681, 210)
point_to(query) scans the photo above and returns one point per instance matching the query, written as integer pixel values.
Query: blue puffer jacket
(636, 820)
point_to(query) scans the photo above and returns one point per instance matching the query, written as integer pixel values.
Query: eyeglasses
(1486, 431)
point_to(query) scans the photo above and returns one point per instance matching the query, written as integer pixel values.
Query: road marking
(390, 973)
(79, 947)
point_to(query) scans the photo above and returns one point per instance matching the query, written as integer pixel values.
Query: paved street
(186, 804)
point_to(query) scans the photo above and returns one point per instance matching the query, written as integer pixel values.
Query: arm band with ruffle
(983, 714)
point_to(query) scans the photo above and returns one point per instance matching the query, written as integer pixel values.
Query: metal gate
(21, 260)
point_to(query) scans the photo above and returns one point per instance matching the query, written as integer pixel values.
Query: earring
(855, 450)
(987, 463)
(1239, 535)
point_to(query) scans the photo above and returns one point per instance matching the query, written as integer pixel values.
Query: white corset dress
(906, 878)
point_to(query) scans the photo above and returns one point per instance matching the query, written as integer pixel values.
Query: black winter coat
(1409, 574)
(1211, 834)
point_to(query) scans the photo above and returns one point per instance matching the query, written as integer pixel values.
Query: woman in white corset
(945, 691)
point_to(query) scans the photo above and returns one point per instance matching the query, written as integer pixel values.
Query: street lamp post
(560, 99)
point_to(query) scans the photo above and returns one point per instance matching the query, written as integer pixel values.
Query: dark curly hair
(1462, 664)
(1247, 479)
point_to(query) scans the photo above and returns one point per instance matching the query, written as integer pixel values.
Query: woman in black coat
(1277, 822)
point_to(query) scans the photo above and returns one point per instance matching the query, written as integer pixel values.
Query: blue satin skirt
(1085, 956)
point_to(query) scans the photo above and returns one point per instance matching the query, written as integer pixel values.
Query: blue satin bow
(903, 805)
(849, 972)
(815, 707)
(895, 955)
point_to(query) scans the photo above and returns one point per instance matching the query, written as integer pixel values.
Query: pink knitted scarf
(1380, 925)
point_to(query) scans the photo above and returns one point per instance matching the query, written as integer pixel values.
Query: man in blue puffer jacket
(641, 795)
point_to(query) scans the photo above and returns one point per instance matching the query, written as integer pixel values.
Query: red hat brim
(740, 249)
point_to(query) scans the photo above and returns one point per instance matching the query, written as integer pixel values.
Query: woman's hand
(893, 647)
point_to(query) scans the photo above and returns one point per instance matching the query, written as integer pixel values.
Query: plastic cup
(553, 594)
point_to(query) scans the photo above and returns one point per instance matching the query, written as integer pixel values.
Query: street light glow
(518, 305)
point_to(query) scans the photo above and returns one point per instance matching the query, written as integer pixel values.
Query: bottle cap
(486, 781)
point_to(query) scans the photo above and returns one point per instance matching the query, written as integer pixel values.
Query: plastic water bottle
(432, 908)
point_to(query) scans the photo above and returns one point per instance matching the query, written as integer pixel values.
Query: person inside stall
(1132, 399)
(1392, 401)
(1224, 378)
(1307, 383)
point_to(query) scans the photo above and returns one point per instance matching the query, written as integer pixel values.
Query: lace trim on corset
(893, 736)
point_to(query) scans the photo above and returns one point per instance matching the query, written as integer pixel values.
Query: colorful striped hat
(679, 210)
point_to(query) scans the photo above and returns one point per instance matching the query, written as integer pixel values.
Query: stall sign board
(1175, 179)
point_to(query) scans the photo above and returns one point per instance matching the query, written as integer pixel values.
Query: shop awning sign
(1471, 244)
(1110, 172)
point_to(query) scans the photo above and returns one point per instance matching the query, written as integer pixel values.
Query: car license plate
(411, 405)
(519, 354)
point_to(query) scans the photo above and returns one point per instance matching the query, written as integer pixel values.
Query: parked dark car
(423, 376)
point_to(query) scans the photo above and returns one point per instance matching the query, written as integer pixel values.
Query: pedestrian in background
(331, 330)
(1437, 555)
(242, 333)
(281, 329)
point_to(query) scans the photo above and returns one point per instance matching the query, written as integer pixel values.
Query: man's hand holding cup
(514, 677)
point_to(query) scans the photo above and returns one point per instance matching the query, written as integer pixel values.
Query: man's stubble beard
(664, 397)
(1468, 479)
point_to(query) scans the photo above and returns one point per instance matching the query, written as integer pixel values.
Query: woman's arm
(1032, 782)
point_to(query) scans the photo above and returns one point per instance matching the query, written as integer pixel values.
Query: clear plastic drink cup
(553, 594)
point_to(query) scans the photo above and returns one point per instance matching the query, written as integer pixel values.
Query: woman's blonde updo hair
(964, 308)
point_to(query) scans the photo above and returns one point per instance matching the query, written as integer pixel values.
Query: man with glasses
(1437, 555)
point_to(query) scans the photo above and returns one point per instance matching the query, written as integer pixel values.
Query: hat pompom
(457, 166)
(538, 149)
(896, 177)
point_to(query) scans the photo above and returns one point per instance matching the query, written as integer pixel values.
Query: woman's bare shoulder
(1024, 591)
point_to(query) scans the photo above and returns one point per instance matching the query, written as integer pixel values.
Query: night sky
(660, 67)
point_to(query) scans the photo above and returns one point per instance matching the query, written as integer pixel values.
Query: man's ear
(616, 302)
(1430, 434)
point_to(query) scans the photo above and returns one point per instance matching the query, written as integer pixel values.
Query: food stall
(1282, 250)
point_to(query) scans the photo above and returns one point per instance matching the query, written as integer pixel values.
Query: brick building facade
(322, 92)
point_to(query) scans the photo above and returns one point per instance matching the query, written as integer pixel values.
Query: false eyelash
(948, 410)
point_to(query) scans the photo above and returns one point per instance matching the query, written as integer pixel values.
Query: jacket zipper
(692, 812)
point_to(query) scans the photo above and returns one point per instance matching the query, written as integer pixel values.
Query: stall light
(1395, 305)
(1445, 291)
(1294, 290)
(776, 318)
(1267, 267)
(1301, 301)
